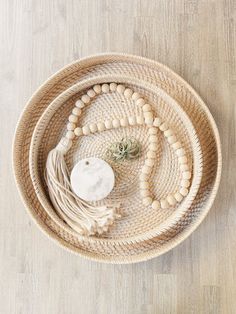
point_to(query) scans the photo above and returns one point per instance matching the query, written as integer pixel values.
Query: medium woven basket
(141, 233)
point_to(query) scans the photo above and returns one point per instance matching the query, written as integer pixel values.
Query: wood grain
(195, 38)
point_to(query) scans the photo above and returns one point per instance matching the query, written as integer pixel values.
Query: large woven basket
(148, 236)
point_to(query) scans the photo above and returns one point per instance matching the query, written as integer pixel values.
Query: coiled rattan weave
(143, 234)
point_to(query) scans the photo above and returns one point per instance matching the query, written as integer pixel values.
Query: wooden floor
(195, 38)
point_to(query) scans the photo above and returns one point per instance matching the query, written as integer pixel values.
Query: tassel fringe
(84, 218)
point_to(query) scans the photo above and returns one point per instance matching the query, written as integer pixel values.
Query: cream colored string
(80, 215)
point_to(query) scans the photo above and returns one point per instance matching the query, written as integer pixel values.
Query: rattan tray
(139, 224)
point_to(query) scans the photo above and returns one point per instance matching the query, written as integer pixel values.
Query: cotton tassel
(84, 218)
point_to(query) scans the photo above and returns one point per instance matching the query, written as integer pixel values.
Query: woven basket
(146, 71)
(139, 223)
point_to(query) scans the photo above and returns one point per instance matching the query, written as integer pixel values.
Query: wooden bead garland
(153, 124)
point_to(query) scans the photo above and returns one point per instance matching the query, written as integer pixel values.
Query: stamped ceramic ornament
(92, 179)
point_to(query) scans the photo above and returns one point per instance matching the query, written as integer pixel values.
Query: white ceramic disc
(92, 179)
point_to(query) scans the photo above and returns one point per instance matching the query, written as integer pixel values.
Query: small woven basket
(119, 246)
(139, 223)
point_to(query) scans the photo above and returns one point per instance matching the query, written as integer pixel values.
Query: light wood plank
(195, 38)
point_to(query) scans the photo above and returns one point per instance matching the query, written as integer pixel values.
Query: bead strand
(183, 163)
(148, 166)
(85, 99)
(106, 125)
(153, 124)
(152, 148)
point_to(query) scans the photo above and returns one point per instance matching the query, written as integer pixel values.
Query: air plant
(127, 148)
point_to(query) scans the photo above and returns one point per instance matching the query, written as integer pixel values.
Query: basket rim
(195, 145)
(138, 257)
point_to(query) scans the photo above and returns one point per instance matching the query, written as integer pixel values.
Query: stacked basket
(142, 232)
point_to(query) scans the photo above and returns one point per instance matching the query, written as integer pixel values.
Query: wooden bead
(153, 147)
(185, 183)
(144, 177)
(97, 89)
(171, 200)
(182, 160)
(144, 185)
(152, 131)
(140, 120)
(147, 201)
(140, 102)
(145, 193)
(164, 204)
(76, 111)
(172, 139)
(151, 154)
(150, 162)
(113, 87)
(124, 122)
(93, 127)
(176, 145)
(135, 96)
(91, 93)
(149, 121)
(183, 191)
(78, 132)
(153, 139)
(180, 152)
(116, 123)
(147, 108)
(178, 197)
(148, 114)
(79, 104)
(120, 89)
(184, 167)
(163, 127)
(71, 126)
(105, 88)
(186, 175)
(157, 122)
(85, 99)
(156, 205)
(132, 120)
(168, 133)
(70, 135)
(128, 93)
(86, 130)
(72, 118)
(146, 169)
(101, 126)
(108, 124)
